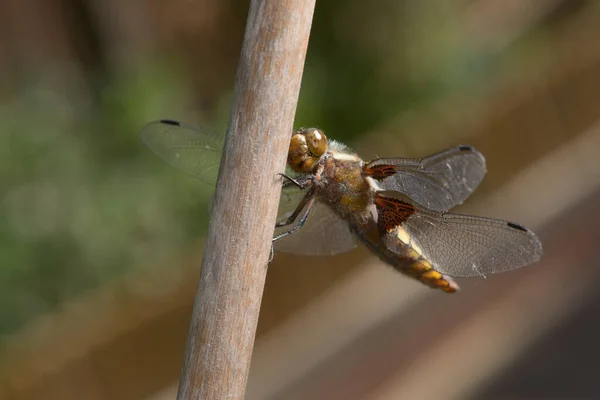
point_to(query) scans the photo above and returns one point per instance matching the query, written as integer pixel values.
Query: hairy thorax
(344, 188)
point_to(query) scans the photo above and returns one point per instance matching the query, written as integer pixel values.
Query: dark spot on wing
(464, 147)
(516, 226)
(169, 122)
(380, 171)
(392, 212)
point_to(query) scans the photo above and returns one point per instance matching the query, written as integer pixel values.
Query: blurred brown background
(101, 241)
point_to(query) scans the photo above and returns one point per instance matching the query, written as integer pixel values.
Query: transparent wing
(438, 182)
(323, 233)
(466, 246)
(192, 150)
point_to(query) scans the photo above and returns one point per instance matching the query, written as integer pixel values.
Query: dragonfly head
(306, 148)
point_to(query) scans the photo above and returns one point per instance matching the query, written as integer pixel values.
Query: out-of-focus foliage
(83, 199)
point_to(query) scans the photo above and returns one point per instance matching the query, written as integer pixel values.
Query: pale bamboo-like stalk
(238, 242)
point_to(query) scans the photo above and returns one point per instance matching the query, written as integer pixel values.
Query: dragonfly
(396, 207)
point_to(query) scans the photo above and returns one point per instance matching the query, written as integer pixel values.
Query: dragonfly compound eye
(316, 141)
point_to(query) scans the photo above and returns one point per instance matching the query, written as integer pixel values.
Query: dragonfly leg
(271, 255)
(301, 182)
(306, 205)
(309, 197)
(301, 221)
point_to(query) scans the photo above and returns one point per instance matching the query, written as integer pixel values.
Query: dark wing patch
(392, 212)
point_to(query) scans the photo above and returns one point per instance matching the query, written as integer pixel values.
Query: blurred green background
(86, 204)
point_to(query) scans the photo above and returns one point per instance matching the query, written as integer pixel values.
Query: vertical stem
(234, 267)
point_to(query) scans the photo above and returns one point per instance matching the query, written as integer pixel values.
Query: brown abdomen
(406, 257)
(414, 265)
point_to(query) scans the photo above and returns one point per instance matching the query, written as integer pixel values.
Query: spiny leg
(301, 182)
(306, 204)
(305, 200)
(300, 223)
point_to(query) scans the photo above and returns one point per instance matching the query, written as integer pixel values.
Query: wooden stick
(238, 243)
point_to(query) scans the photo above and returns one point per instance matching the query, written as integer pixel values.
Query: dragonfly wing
(461, 245)
(192, 150)
(323, 233)
(438, 182)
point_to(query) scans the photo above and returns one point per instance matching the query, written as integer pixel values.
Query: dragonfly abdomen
(406, 257)
(422, 270)
(409, 259)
